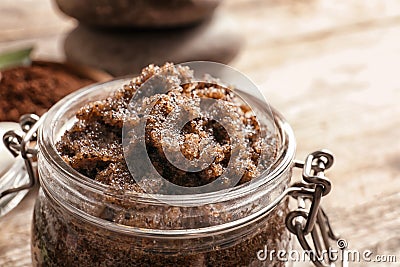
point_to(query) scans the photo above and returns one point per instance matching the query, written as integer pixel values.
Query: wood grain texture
(332, 69)
(16, 234)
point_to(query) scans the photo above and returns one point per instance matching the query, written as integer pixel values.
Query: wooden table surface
(331, 67)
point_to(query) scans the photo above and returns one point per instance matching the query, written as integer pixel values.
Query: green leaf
(15, 58)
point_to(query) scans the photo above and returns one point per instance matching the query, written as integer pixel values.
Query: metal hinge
(24, 146)
(313, 221)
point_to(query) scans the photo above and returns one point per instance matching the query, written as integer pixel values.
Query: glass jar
(74, 217)
(80, 222)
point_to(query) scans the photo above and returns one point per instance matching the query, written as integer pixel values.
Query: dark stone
(127, 52)
(138, 13)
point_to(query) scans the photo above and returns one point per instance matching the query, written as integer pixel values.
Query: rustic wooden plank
(26, 19)
(16, 233)
(372, 226)
(346, 100)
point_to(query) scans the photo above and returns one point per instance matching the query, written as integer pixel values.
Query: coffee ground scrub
(102, 204)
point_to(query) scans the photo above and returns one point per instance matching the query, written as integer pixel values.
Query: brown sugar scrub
(34, 89)
(93, 146)
(100, 215)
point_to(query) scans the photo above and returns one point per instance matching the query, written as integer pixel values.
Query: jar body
(60, 238)
(78, 222)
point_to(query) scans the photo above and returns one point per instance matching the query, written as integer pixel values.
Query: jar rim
(48, 150)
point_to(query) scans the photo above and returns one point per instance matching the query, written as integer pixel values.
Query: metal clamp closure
(314, 221)
(23, 145)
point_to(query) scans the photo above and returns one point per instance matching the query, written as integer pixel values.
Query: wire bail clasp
(314, 221)
(23, 145)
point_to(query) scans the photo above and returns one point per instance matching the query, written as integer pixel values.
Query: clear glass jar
(72, 226)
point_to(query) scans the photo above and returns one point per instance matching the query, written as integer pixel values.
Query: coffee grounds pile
(34, 89)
